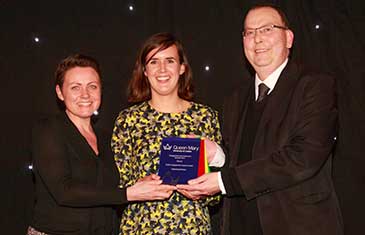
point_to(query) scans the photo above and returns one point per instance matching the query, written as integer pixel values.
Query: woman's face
(163, 71)
(80, 92)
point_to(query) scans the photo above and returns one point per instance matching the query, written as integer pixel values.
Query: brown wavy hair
(139, 88)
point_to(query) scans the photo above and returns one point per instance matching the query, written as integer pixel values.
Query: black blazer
(290, 171)
(74, 188)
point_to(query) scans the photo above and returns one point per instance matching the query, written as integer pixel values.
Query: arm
(53, 170)
(215, 154)
(144, 189)
(303, 150)
(149, 188)
(301, 154)
(214, 137)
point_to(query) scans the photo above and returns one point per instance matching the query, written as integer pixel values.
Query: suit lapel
(278, 99)
(242, 111)
(75, 140)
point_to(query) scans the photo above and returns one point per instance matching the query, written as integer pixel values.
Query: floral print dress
(136, 140)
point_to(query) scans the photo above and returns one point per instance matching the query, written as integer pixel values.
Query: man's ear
(289, 38)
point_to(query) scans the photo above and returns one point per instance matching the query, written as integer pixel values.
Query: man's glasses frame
(263, 30)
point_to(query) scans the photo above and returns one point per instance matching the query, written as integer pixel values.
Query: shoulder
(51, 123)
(315, 82)
(308, 75)
(131, 113)
(203, 109)
(49, 128)
(306, 84)
(235, 98)
(240, 91)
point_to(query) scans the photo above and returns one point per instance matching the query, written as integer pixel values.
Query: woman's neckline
(185, 107)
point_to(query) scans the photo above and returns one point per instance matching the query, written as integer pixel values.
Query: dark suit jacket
(75, 188)
(290, 171)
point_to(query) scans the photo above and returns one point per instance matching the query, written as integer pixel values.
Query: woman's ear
(182, 69)
(59, 93)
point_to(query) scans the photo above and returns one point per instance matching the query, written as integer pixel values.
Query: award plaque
(182, 159)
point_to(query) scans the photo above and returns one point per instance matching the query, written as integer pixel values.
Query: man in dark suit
(279, 131)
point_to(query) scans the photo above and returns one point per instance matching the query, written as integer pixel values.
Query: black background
(211, 33)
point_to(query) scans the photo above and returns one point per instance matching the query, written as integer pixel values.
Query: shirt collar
(271, 80)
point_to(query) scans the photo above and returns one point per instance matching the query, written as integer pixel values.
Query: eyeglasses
(263, 30)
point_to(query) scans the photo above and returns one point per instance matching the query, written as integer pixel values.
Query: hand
(188, 194)
(210, 147)
(148, 189)
(204, 185)
(149, 178)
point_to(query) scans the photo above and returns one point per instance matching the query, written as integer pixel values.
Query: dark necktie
(263, 90)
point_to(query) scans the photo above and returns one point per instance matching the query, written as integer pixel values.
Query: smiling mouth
(162, 79)
(85, 104)
(258, 51)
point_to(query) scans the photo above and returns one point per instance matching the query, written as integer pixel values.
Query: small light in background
(30, 167)
(36, 39)
(317, 26)
(131, 7)
(207, 68)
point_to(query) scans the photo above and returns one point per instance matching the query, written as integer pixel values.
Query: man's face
(266, 49)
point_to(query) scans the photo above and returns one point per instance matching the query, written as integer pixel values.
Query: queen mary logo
(167, 147)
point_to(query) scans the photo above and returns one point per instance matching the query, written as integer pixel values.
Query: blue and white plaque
(179, 159)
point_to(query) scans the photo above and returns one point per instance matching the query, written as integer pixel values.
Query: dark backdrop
(329, 34)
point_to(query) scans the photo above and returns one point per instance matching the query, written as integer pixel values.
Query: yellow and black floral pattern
(137, 135)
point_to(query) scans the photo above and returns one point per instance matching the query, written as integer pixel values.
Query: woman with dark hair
(162, 90)
(75, 176)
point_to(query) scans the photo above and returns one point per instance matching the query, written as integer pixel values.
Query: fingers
(203, 186)
(163, 191)
(149, 178)
(198, 180)
(149, 190)
(204, 179)
(187, 187)
(190, 136)
(166, 187)
(155, 177)
(194, 190)
(161, 195)
(154, 182)
(144, 181)
(190, 195)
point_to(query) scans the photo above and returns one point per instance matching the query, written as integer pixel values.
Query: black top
(75, 188)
